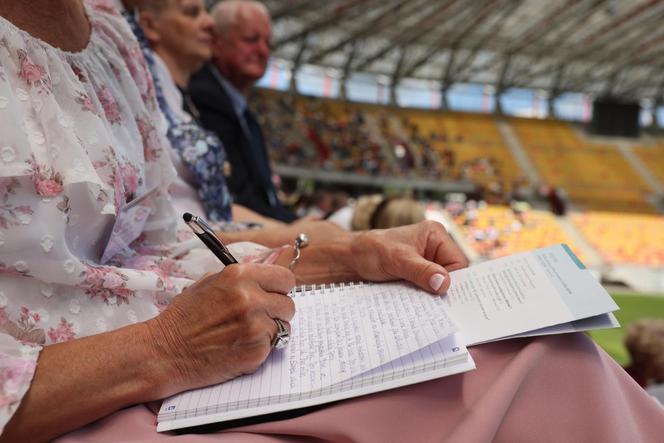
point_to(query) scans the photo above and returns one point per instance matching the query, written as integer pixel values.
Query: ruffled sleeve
(82, 166)
(17, 367)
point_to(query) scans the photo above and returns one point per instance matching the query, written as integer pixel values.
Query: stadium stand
(367, 139)
(545, 134)
(495, 231)
(382, 141)
(594, 176)
(624, 238)
(468, 147)
(304, 131)
(653, 158)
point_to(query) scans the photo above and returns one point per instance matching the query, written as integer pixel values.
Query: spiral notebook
(356, 339)
(347, 340)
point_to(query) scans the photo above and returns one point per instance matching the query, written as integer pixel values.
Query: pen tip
(187, 217)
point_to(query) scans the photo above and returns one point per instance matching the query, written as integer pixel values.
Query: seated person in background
(390, 213)
(555, 199)
(241, 50)
(320, 203)
(378, 212)
(645, 342)
(83, 337)
(180, 34)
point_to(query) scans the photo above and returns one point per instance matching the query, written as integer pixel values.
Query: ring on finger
(282, 336)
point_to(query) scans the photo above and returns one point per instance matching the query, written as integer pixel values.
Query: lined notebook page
(440, 358)
(338, 333)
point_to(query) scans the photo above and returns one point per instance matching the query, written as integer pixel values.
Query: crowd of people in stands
(305, 132)
(117, 117)
(489, 238)
(308, 130)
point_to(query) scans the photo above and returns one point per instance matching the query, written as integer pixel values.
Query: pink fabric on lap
(557, 388)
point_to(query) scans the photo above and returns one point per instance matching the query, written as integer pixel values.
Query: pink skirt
(547, 389)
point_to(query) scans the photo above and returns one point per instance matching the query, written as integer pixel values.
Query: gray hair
(227, 13)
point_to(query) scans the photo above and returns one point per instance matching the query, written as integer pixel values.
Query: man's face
(245, 49)
(185, 30)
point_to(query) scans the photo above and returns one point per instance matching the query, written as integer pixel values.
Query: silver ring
(301, 241)
(283, 337)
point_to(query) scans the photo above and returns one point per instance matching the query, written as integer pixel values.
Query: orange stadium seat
(471, 138)
(653, 158)
(536, 229)
(594, 176)
(624, 238)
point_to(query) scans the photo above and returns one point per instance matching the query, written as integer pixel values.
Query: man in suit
(240, 55)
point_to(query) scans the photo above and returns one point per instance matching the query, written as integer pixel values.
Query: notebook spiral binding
(327, 287)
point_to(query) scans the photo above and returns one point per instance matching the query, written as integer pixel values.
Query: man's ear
(150, 27)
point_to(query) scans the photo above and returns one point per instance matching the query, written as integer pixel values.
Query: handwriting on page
(336, 334)
(346, 332)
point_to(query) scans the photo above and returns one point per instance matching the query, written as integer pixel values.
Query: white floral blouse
(87, 233)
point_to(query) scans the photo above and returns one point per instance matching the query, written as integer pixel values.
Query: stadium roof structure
(600, 47)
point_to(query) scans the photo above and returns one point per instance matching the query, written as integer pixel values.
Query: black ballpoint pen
(205, 233)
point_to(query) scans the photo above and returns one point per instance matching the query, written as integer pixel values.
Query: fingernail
(436, 281)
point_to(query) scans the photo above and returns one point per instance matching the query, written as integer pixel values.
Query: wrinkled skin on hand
(222, 326)
(417, 253)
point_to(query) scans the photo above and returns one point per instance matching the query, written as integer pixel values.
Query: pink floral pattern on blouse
(81, 142)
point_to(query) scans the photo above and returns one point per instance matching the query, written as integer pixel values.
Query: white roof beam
(445, 42)
(409, 35)
(388, 17)
(336, 13)
(595, 43)
(498, 24)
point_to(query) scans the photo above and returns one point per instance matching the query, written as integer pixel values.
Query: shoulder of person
(204, 86)
(201, 78)
(209, 95)
(108, 12)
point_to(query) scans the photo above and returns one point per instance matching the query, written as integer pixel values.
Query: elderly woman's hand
(423, 253)
(222, 326)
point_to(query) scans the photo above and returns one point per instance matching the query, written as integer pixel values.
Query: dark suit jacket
(217, 114)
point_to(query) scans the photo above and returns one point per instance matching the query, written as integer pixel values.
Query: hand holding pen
(205, 233)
